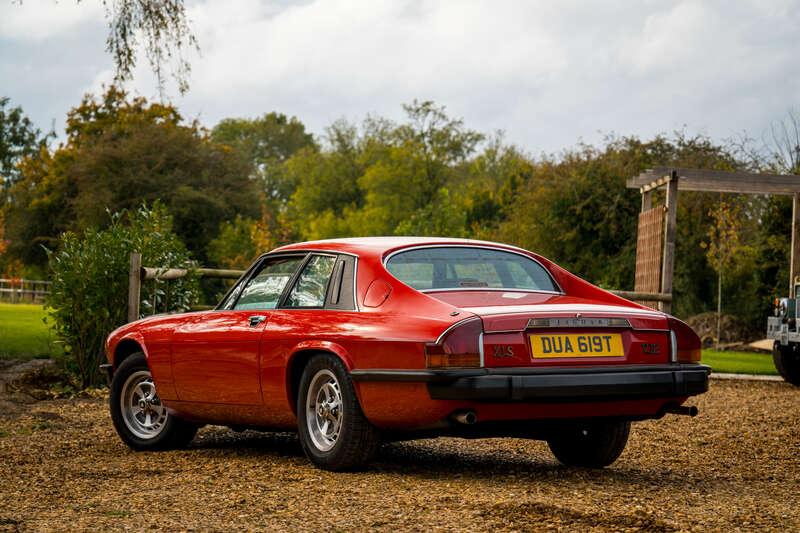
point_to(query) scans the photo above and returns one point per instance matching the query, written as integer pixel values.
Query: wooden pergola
(655, 246)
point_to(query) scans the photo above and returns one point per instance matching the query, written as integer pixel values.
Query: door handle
(255, 320)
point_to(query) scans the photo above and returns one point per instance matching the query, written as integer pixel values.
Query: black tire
(356, 440)
(591, 444)
(172, 431)
(787, 362)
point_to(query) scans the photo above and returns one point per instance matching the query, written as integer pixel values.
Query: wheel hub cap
(324, 412)
(141, 408)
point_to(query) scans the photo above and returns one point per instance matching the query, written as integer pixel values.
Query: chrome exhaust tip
(686, 410)
(466, 417)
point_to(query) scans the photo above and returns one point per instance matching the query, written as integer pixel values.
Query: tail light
(458, 347)
(684, 342)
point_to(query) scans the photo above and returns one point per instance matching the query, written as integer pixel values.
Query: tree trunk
(719, 306)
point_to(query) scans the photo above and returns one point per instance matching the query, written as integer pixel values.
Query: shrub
(89, 294)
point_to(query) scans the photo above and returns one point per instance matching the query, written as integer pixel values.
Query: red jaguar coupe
(351, 341)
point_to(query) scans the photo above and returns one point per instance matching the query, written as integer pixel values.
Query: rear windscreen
(452, 267)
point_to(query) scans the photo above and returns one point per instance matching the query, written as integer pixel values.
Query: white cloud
(546, 72)
(35, 20)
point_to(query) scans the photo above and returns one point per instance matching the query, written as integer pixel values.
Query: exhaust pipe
(686, 410)
(466, 417)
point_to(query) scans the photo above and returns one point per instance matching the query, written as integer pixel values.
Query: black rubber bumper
(554, 384)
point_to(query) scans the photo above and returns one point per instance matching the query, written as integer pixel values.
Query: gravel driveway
(736, 466)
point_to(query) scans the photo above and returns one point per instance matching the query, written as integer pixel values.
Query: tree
(166, 33)
(493, 180)
(576, 209)
(264, 144)
(724, 248)
(783, 143)
(271, 138)
(18, 139)
(386, 178)
(119, 153)
(3, 241)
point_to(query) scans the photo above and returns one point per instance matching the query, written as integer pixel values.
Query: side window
(312, 284)
(264, 289)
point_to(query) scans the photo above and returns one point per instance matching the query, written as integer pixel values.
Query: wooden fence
(139, 274)
(18, 290)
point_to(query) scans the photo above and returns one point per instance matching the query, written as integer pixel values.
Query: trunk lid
(536, 330)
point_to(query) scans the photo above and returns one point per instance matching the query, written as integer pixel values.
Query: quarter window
(265, 288)
(312, 284)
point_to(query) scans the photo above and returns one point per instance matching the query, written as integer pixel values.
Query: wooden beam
(718, 181)
(644, 296)
(134, 286)
(794, 254)
(647, 200)
(162, 274)
(176, 273)
(220, 273)
(668, 263)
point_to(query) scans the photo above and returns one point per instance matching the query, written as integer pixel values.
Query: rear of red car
(580, 354)
(534, 335)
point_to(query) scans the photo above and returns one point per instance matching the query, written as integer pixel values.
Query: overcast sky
(547, 73)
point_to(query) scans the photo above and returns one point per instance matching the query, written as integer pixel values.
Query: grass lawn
(23, 335)
(739, 362)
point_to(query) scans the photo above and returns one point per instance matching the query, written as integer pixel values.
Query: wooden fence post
(794, 254)
(668, 265)
(134, 286)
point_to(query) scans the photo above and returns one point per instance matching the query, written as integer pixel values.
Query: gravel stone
(735, 467)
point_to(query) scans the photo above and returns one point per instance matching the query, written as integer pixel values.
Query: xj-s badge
(501, 350)
(651, 348)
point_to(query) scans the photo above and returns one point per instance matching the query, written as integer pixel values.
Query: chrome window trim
(483, 247)
(673, 347)
(248, 275)
(355, 280)
(487, 289)
(307, 252)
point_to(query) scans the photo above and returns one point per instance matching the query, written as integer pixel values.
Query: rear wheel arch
(295, 366)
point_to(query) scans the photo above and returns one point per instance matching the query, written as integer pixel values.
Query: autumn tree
(121, 152)
(264, 144)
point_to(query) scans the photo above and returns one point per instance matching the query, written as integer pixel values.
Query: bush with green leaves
(89, 294)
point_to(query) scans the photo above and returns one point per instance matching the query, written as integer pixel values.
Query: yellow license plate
(545, 346)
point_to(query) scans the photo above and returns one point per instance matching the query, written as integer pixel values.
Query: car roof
(379, 246)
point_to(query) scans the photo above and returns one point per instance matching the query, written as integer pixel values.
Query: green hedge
(89, 294)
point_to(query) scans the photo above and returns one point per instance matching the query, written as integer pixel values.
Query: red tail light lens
(459, 347)
(684, 343)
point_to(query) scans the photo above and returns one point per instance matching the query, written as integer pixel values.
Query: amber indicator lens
(453, 360)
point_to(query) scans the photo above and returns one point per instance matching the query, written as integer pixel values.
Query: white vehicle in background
(783, 329)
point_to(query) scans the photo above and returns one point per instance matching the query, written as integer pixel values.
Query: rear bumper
(554, 384)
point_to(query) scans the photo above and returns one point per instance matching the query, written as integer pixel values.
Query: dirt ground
(734, 467)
